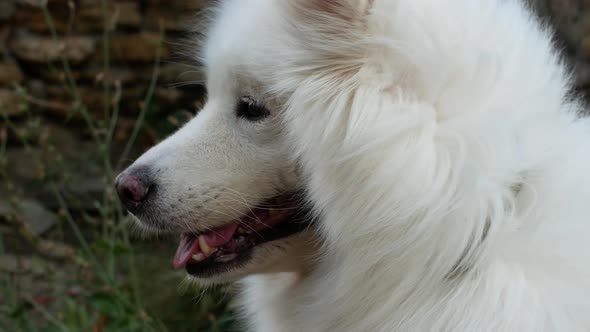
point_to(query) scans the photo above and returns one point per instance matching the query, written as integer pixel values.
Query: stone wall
(32, 59)
(571, 21)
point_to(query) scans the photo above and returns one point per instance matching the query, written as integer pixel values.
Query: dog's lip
(198, 247)
(220, 263)
(191, 244)
(186, 248)
(276, 219)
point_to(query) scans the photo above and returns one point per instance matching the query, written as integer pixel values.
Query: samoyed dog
(380, 165)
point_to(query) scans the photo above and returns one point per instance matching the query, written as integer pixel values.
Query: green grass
(97, 276)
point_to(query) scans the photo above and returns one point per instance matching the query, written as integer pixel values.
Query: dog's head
(226, 182)
(229, 181)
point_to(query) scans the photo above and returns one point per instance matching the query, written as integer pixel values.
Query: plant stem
(78, 104)
(80, 237)
(106, 39)
(146, 103)
(48, 316)
(125, 154)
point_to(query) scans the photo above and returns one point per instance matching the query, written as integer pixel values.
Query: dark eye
(250, 110)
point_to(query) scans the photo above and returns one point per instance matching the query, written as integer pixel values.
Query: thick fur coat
(440, 148)
(445, 155)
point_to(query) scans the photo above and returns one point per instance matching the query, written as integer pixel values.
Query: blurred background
(85, 87)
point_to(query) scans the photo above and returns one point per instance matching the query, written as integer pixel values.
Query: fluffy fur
(440, 147)
(443, 153)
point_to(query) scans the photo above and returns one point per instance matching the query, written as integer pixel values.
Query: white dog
(380, 165)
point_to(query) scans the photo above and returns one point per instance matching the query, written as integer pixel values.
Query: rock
(56, 249)
(175, 73)
(83, 190)
(57, 74)
(178, 6)
(19, 264)
(32, 213)
(64, 139)
(570, 18)
(80, 192)
(123, 131)
(91, 73)
(123, 75)
(10, 103)
(137, 47)
(4, 32)
(10, 262)
(24, 129)
(174, 15)
(582, 70)
(171, 100)
(67, 159)
(127, 15)
(36, 88)
(167, 97)
(122, 14)
(10, 73)
(93, 99)
(585, 45)
(37, 3)
(84, 16)
(44, 49)
(6, 9)
(29, 15)
(24, 166)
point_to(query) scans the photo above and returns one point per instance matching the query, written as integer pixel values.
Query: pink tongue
(220, 236)
(189, 245)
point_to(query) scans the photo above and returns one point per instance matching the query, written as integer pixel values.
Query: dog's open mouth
(222, 248)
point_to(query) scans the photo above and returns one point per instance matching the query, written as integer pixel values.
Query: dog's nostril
(132, 188)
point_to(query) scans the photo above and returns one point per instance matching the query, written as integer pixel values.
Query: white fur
(442, 151)
(438, 146)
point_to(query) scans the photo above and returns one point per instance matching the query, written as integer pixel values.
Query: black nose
(133, 187)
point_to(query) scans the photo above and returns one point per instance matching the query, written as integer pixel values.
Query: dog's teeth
(199, 257)
(205, 249)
